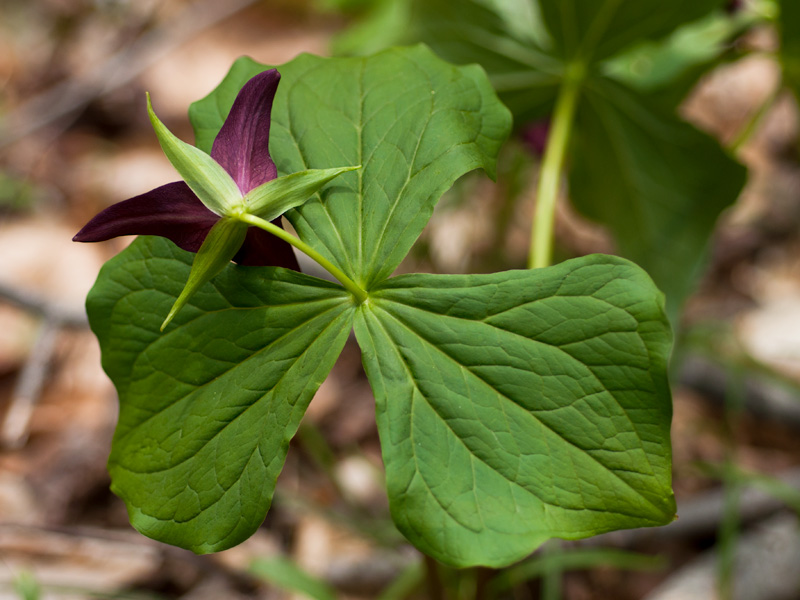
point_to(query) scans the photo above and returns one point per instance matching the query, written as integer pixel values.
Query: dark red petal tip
(171, 211)
(535, 136)
(242, 144)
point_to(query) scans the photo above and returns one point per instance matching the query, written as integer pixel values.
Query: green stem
(752, 125)
(541, 249)
(730, 525)
(348, 283)
(554, 574)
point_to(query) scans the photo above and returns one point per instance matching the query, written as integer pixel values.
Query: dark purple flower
(734, 6)
(175, 212)
(535, 135)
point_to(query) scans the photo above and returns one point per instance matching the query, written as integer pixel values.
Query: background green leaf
(520, 406)
(506, 38)
(657, 183)
(596, 29)
(208, 115)
(635, 163)
(207, 409)
(384, 24)
(414, 123)
(790, 44)
(667, 69)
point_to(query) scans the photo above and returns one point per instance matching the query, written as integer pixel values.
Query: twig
(766, 567)
(700, 516)
(14, 431)
(61, 315)
(761, 398)
(67, 98)
(15, 425)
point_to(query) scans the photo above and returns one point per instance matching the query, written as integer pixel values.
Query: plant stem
(554, 574)
(752, 125)
(434, 583)
(730, 524)
(541, 248)
(348, 283)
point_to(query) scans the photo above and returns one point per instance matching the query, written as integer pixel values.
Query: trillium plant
(512, 407)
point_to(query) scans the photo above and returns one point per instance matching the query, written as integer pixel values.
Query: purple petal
(535, 136)
(262, 249)
(734, 6)
(171, 211)
(242, 144)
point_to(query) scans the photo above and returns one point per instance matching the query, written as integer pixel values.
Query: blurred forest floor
(75, 138)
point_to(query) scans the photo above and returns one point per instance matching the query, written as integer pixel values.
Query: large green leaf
(636, 163)
(658, 183)
(520, 406)
(592, 30)
(414, 133)
(207, 408)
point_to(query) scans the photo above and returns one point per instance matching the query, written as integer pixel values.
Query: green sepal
(215, 188)
(275, 197)
(219, 247)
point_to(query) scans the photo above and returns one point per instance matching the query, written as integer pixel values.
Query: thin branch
(15, 427)
(763, 397)
(60, 315)
(701, 514)
(67, 98)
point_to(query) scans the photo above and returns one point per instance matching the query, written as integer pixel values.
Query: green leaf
(790, 44)
(286, 575)
(208, 408)
(657, 183)
(591, 30)
(384, 25)
(520, 406)
(414, 123)
(673, 65)
(26, 585)
(272, 199)
(205, 176)
(508, 42)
